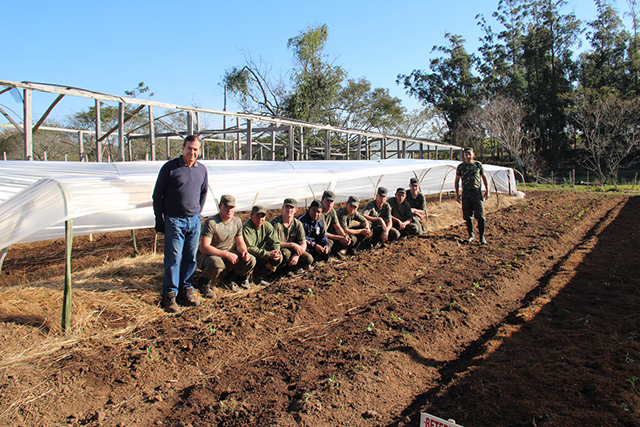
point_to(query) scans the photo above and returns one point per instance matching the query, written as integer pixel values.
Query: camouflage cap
(290, 202)
(401, 190)
(382, 191)
(414, 181)
(329, 195)
(228, 200)
(258, 209)
(353, 201)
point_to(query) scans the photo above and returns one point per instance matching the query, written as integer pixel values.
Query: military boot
(168, 303)
(204, 287)
(186, 297)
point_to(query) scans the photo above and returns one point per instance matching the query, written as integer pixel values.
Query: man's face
(400, 197)
(314, 213)
(327, 205)
(190, 152)
(380, 199)
(414, 188)
(468, 156)
(258, 219)
(288, 211)
(226, 212)
(351, 209)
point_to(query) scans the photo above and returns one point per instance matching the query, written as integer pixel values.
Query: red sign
(428, 420)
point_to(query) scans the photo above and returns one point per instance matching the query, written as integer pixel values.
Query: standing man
(293, 242)
(418, 204)
(223, 250)
(263, 243)
(470, 171)
(178, 199)
(401, 214)
(378, 213)
(332, 227)
(317, 241)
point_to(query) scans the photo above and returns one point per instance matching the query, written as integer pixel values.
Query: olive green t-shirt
(346, 220)
(401, 211)
(372, 209)
(329, 219)
(222, 235)
(292, 234)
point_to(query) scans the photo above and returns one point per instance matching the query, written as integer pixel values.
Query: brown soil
(538, 328)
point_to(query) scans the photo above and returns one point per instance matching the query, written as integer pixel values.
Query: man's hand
(486, 195)
(297, 249)
(344, 240)
(231, 257)
(159, 226)
(458, 198)
(274, 255)
(385, 235)
(294, 260)
(246, 256)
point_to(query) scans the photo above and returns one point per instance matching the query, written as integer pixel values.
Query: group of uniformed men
(225, 249)
(230, 251)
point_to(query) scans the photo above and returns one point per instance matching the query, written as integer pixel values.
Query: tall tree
(605, 64)
(316, 82)
(549, 72)
(451, 87)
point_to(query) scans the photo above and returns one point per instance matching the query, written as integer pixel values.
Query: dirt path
(539, 327)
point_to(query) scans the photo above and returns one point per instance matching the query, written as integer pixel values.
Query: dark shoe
(168, 303)
(340, 255)
(483, 241)
(233, 287)
(187, 298)
(245, 283)
(260, 281)
(470, 239)
(204, 287)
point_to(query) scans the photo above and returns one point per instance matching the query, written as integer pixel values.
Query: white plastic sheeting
(36, 198)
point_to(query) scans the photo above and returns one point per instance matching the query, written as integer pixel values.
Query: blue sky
(181, 49)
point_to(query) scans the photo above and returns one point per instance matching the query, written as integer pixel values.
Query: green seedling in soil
(452, 304)
(339, 342)
(149, 355)
(306, 396)
(476, 285)
(633, 381)
(633, 336)
(278, 295)
(212, 330)
(394, 317)
(333, 381)
(628, 359)
(310, 292)
(369, 328)
(377, 353)
(624, 406)
(405, 335)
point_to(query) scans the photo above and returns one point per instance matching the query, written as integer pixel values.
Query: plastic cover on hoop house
(36, 198)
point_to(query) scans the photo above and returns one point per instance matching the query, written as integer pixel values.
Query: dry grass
(108, 302)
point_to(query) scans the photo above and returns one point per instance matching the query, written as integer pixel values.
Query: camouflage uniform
(418, 202)
(472, 198)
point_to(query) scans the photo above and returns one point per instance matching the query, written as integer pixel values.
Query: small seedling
(377, 353)
(369, 328)
(633, 336)
(405, 335)
(310, 292)
(628, 359)
(212, 330)
(339, 342)
(476, 285)
(624, 406)
(149, 355)
(633, 381)
(394, 317)
(306, 396)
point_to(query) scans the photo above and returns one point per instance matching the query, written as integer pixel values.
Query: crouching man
(402, 215)
(223, 252)
(378, 212)
(317, 240)
(293, 243)
(355, 226)
(263, 243)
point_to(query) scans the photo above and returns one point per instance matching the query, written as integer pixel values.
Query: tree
(359, 107)
(451, 87)
(605, 65)
(549, 72)
(316, 83)
(610, 129)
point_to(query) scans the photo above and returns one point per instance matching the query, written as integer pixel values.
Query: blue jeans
(181, 239)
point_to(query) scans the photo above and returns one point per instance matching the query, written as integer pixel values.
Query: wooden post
(348, 146)
(66, 298)
(121, 132)
(98, 133)
(301, 155)
(190, 122)
(359, 150)
(3, 255)
(236, 148)
(421, 150)
(135, 243)
(273, 145)
(249, 137)
(383, 148)
(327, 145)
(166, 140)
(450, 153)
(404, 149)
(28, 130)
(367, 146)
(81, 146)
(292, 151)
(152, 134)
